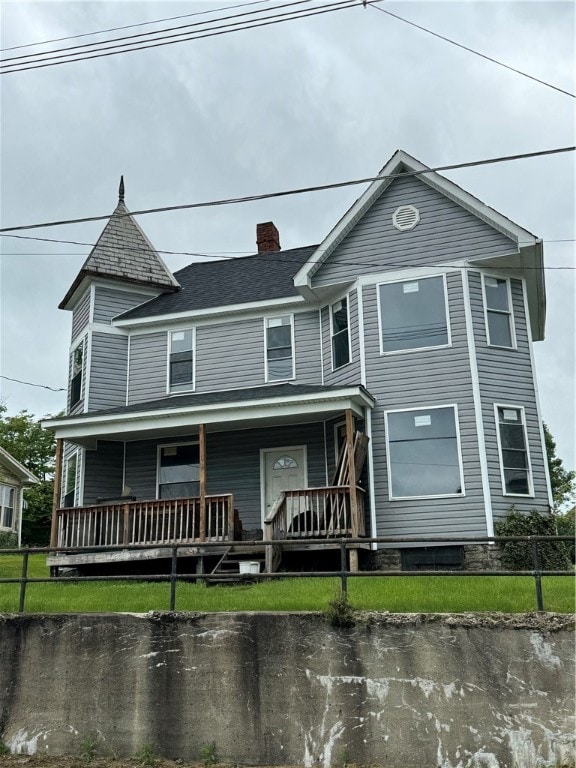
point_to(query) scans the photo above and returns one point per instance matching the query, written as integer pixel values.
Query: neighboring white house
(14, 477)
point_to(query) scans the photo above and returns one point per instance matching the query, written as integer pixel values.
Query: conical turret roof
(123, 253)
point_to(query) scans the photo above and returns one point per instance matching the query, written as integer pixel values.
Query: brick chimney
(267, 237)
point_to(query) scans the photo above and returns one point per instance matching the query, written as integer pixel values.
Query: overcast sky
(308, 102)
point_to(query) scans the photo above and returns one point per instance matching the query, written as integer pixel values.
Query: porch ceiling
(242, 409)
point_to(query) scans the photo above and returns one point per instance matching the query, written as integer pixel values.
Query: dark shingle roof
(195, 400)
(123, 252)
(231, 281)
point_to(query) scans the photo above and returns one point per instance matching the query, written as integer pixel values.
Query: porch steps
(227, 569)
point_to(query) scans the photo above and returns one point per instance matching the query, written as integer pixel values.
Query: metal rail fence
(343, 573)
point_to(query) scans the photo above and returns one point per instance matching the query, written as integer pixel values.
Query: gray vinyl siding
(230, 355)
(348, 374)
(506, 377)
(446, 231)
(103, 471)
(109, 302)
(232, 463)
(81, 315)
(416, 379)
(108, 370)
(148, 367)
(307, 342)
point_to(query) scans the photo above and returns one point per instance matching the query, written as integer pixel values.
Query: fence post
(343, 572)
(23, 582)
(537, 576)
(173, 572)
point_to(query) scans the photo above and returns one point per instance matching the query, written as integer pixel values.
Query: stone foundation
(477, 557)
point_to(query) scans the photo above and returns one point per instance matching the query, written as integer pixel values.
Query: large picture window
(7, 500)
(423, 453)
(179, 471)
(340, 333)
(499, 320)
(279, 348)
(513, 448)
(181, 365)
(413, 315)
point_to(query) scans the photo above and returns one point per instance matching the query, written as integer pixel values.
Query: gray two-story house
(380, 383)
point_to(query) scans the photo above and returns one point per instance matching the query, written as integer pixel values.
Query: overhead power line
(476, 53)
(30, 384)
(297, 191)
(131, 26)
(198, 35)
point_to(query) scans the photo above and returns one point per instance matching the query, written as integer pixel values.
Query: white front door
(283, 470)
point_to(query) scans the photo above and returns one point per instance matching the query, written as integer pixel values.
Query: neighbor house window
(340, 334)
(513, 448)
(70, 480)
(77, 372)
(181, 360)
(7, 500)
(499, 320)
(413, 315)
(279, 348)
(423, 453)
(179, 471)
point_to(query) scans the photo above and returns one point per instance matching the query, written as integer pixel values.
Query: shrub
(8, 540)
(517, 555)
(340, 612)
(565, 527)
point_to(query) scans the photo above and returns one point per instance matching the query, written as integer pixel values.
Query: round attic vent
(406, 217)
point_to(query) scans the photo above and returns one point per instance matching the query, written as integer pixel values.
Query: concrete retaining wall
(395, 691)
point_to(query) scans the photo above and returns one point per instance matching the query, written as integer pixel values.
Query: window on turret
(181, 360)
(77, 374)
(499, 319)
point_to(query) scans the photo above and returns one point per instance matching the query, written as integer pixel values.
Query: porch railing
(315, 512)
(159, 521)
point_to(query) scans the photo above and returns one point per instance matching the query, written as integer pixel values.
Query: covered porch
(284, 464)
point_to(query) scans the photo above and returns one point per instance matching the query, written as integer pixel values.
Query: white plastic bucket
(249, 566)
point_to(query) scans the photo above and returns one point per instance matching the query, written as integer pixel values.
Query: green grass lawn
(409, 594)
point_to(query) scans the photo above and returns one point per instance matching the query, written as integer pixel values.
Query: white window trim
(15, 511)
(510, 312)
(292, 340)
(159, 448)
(446, 309)
(192, 387)
(332, 334)
(280, 448)
(454, 406)
(520, 408)
(77, 488)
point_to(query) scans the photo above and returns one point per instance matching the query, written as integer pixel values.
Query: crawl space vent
(405, 217)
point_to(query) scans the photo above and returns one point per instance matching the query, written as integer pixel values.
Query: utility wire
(226, 29)
(476, 53)
(297, 191)
(30, 384)
(92, 46)
(131, 26)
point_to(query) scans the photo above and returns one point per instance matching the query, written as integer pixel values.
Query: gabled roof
(124, 253)
(18, 470)
(204, 285)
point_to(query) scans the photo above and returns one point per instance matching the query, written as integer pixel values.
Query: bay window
(513, 449)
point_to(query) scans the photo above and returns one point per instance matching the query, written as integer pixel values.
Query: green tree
(562, 480)
(34, 447)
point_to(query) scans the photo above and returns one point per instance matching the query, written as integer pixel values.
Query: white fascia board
(434, 180)
(191, 315)
(19, 470)
(78, 294)
(350, 397)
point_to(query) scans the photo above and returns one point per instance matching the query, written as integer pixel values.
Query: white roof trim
(400, 159)
(110, 424)
(24, 475)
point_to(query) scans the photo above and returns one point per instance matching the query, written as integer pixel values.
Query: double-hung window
(340, 333)
(70, 478)
(424, 456)
(513, 448)
(279, 348)
(77, 373)
(413, 315)
(179, 471)
(7, 500)
(181, 360)
(499, 319)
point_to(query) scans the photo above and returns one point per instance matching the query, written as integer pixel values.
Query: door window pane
(413, 314)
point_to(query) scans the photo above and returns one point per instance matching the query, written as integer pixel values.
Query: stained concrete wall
(395, 691)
